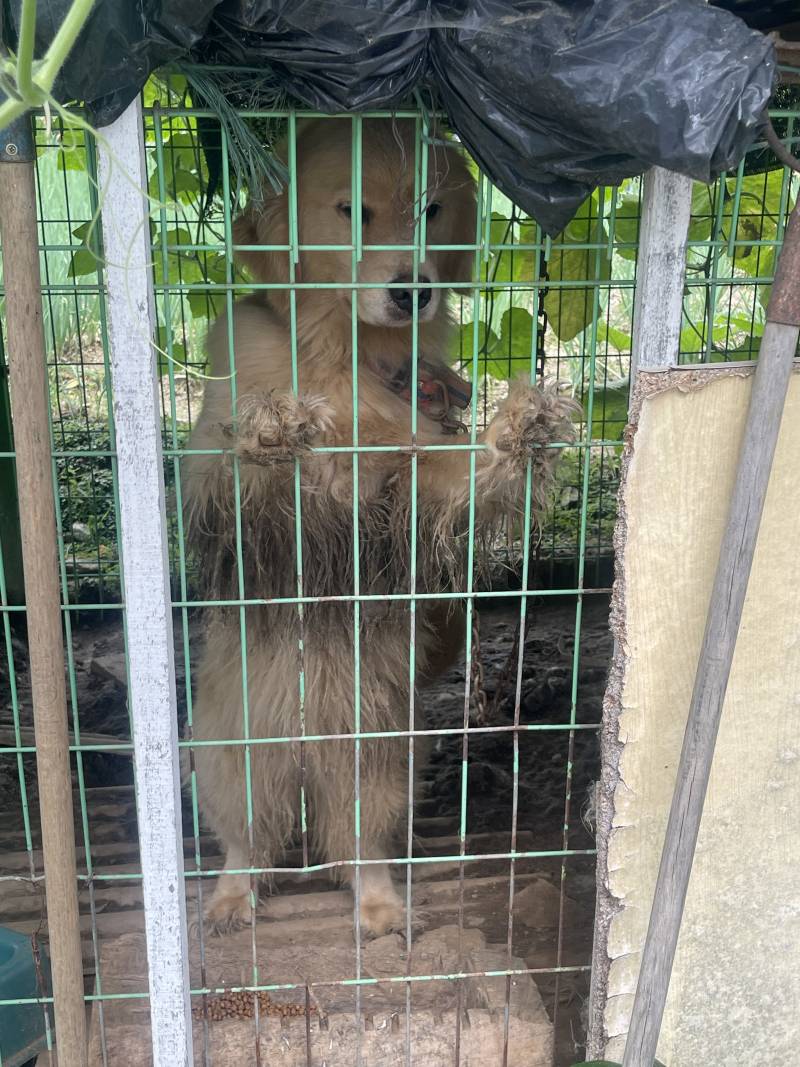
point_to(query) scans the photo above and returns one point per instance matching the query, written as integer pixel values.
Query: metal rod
(30, 401)
(770, 383)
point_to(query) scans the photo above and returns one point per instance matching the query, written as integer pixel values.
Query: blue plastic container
(22, 1029)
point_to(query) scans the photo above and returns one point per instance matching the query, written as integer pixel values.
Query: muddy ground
(553, 808)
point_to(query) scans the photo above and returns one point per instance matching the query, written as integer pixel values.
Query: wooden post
(31, 408)
(770, 382)
(10, 542)
(660, 270)
(145, 572)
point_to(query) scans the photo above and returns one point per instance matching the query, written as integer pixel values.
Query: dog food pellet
(241, 1005)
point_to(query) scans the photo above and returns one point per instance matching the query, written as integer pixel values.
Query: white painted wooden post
(152, 699)
(660, 270)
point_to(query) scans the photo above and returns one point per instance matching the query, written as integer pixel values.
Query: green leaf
(610, 411)
(71, 158)
(510, 264)
(178, 351)
(179, 236)
(464, 339)
(216, 268)
(82, 262)
(515, 345)
(701, 218)
(570, 311)
(626, 226)
(758, 217)
(516, 333)
(202, 304)
(83, 231)
(747, 349)
(616, 338)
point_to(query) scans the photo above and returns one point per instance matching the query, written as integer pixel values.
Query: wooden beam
(30, 399)
(660, 270)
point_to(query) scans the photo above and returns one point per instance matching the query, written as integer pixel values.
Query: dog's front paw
(276, 426)
(530, 419)
(228, 911)
(381, 913)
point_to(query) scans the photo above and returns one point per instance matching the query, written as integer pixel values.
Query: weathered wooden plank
(27, 369)
(660, 270)
(724, 615)
(679, 471)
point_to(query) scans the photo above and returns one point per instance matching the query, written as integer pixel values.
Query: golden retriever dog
(351, 664)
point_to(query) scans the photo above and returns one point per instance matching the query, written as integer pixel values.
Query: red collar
(440, 391)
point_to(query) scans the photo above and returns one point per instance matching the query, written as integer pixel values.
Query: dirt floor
(553, 808)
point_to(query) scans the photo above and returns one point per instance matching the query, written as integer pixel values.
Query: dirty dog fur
(273, 426)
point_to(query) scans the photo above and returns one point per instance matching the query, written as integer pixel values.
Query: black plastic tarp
(552, 97)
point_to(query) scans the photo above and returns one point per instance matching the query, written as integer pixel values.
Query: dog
(350, 661)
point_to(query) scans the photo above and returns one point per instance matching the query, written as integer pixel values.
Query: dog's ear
(265, 222)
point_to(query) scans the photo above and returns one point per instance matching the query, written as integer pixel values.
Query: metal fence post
(151, 668)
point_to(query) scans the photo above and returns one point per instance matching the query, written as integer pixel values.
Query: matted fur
(271, 428)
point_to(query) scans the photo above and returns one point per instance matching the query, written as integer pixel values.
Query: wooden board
(735, 985)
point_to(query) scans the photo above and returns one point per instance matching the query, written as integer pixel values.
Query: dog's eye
(347, 210)
(433, 210)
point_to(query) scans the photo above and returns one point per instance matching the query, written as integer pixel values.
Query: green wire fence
(538, 306)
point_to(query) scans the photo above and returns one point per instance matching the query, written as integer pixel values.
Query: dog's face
(389, 213)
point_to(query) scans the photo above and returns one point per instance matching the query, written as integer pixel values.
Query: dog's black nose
(404, 298)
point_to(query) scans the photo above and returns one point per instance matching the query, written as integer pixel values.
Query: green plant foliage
(570, 311)
(509, 263)
(463, 344)
(626, 225)
(562, 522)
(609, 410)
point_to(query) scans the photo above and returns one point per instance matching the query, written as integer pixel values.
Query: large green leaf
(509, 264)
(512, 352)
(626, 226)
(464, 340)
(701, 219)
(178, 352)
(758, 217)
(616, 338)
(610, 410)
(204, 304)
(569, 311)
(516, 333)
(83, 262)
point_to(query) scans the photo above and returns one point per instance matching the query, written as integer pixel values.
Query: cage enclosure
(492, 856)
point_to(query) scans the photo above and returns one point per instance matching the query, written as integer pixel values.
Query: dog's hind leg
(383, 792)
(230, 906)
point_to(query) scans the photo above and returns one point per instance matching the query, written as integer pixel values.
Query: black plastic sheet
(552, 97)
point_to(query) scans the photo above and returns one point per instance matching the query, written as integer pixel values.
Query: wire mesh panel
(481, 763)
(734, 239)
